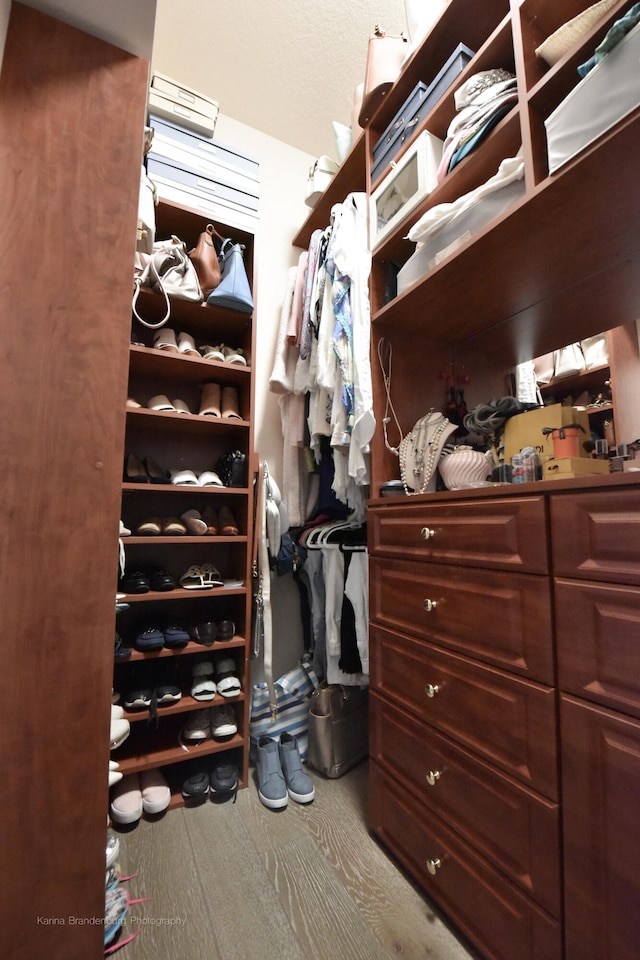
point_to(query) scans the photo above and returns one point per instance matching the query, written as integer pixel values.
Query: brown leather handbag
(205, 259)
(385, 56)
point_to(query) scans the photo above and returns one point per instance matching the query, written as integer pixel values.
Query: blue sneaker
(272, 788)
(299, 784)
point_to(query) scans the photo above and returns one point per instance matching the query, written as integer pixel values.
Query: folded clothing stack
(481, 102)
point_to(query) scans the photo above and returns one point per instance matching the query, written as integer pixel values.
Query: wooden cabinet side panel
(601, 787)
(71, 118)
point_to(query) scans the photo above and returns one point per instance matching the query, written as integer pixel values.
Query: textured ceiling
(285, 67)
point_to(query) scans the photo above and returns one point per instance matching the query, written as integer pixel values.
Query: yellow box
(525, 430)
(573, 467)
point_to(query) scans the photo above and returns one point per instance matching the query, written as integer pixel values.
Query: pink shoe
(156, 794)
(126, 800)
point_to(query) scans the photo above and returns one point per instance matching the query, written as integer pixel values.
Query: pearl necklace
(419, 439)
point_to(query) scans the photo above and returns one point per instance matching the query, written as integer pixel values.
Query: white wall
(283, 179)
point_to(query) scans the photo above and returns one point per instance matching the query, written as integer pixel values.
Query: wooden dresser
(475, 740)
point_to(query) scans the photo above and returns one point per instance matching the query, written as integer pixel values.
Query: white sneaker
(223, 721)
(156, 794)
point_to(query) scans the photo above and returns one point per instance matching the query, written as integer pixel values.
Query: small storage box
(457, 231)
(211, 207)
(525, 430)
(608, 93)
(573, 467)
(203, 185)
(190, 151)
(420, 101)
(173, 100)
(410, 181)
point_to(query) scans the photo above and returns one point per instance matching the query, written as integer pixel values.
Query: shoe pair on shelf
(188, 478)
(181, 343)
(208, 633)
(149, 698)
(217, 722)
(153, 638)
(146, 791)
(224, 354)
(280, 773)
(220, 401)
(143, 471)
(162, 403)
(202, 576)
(142, 581)
(226, 683)
(218, 778)
(192, 523)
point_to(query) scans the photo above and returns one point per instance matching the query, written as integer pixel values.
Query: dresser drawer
(597, 535)
(601, 786)
(598, 630)
(500, 618)
(508, 721)
(515, 829)
(498, 919)
(505, 534)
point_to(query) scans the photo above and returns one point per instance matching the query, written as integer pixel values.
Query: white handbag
(595, 351)
(169, 271)
(320, 176)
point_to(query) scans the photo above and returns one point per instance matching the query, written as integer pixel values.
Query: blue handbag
(233, 291)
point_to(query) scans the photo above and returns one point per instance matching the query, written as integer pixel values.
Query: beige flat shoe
(230, 409)
(194, 523)
(180, 406)
(210, 404)
(172, 527)
(186, 345)
(161, 402)
(151, 526)
(165, 339)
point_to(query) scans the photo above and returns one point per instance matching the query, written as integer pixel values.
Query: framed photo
(411, 180)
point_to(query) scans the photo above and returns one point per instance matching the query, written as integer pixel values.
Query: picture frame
(409, 181)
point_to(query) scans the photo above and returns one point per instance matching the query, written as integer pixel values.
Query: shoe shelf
(190, 441)
(186, 705)
(184, 539)
(191, 648)
(149, 361)
(179, 593)
(161, 751)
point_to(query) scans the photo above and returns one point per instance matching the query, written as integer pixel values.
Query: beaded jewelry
(420, 451)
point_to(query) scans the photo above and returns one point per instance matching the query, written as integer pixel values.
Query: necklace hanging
(420, 451)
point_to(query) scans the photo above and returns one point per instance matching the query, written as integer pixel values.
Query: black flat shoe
(136, 582)
(161, 581)
(155, 474)
(134, 470)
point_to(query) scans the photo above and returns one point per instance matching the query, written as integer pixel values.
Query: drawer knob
(433, 866)
(431, 689)
(432, 777)
(427, 534)
(430, 605)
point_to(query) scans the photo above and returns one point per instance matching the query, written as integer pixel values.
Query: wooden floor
(241, 882)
